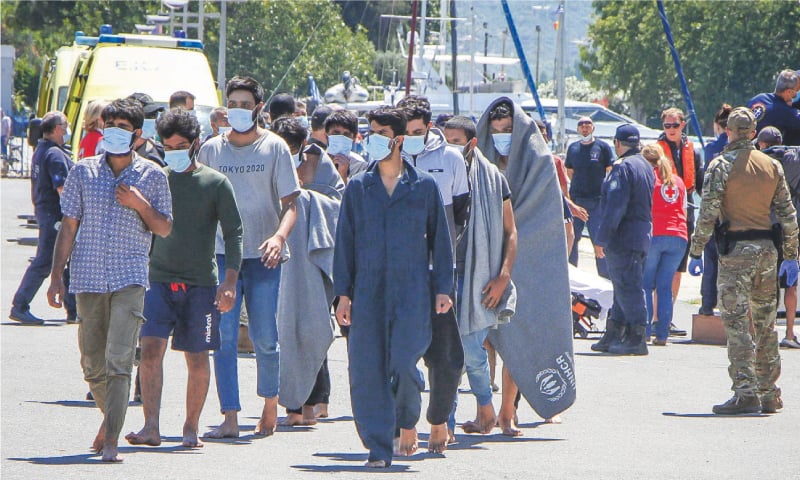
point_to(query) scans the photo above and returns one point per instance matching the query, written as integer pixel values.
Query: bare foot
(451, 437)
(485, 422)
(555, 419)
(309, 415)
(506, 424)
(376, 464)
(146, 436)
(269, 418)
(190, 439)
(295, 419)
(321, 410)
(100, 439)
(110, 453)
(228, 429)
(437, 441)
(408, 442)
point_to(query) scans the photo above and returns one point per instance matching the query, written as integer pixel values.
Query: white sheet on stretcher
(590, 285)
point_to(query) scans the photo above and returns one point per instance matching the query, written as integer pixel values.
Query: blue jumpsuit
(625, 232)
(383, 247)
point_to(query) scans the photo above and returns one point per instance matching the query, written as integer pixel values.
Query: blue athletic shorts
(186, 311)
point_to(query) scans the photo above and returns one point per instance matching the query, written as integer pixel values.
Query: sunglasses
(580, 124)
(672, 125)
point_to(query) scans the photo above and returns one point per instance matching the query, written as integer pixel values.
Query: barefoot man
(184, 299)
(116, 201)
(391, 222)
(485, 256)
(259, 166)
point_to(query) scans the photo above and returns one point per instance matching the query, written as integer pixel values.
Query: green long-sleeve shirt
(201, 200)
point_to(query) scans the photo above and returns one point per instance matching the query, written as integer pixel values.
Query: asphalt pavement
(635, 417)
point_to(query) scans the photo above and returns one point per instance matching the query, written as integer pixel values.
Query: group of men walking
(419, 250)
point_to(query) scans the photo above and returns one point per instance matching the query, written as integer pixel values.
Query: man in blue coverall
(391, 222)
(624, 239)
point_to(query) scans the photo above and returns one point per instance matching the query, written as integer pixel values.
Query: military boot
(634, 343)
(772, 403)
(738, 404)
(614, 331)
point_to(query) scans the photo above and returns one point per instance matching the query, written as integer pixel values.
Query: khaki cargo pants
(107, 337)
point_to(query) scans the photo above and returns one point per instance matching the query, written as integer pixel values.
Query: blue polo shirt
(772, 111)
(588, 164)
(50, 166)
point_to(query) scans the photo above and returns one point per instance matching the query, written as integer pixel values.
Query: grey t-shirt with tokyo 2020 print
(261, 174)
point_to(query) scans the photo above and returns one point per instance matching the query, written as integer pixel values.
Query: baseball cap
(770, 136)
(318, 117)
(741, 120)
(148, 105)
(627, 133)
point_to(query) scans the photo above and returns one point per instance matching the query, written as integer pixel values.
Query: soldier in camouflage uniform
(741, 187)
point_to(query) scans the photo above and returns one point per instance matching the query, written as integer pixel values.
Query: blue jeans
(592, 206)
(258, 287)
(663, 258)
(626, 268)
(39, 268)
(476, 361)
(708, 287)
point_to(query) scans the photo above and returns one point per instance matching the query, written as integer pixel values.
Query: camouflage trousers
(747, 285)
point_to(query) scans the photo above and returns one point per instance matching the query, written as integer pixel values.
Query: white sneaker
(790, 343)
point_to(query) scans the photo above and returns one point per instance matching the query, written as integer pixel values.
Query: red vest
(687, 158)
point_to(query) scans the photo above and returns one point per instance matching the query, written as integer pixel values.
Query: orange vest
(687, 158)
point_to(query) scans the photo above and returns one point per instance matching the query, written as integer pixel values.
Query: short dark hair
(290, 130)
(394, 118)
(282, 105)
(501, 110)
(245, 83)
(461, 122)
(51, 120)
(415, 107)
(123, 108)
(342, 118)
(178, 99)
(178, 122)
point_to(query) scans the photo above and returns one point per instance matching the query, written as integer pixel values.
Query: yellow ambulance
(116, 66)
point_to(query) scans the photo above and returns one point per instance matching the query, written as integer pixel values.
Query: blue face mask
(178, 160)
(303, 120)
(378, 147)
(67, 136)
(117, 141)
(339, 145)
(241, 119)
(149, 128)
(224, 130)
(502, 143)
(414, 144)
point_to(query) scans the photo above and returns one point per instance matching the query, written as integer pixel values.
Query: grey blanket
(484, 257)
(537, 344)
(305, 330)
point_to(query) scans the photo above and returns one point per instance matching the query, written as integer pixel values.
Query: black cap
(627, 133)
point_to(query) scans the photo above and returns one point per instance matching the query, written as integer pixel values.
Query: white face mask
(587, 138)
(414, 144)
(224, 130)
(117, 141)
(241, 119)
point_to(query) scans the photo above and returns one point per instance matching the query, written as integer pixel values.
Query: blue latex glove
(790, 269)
(696, 267)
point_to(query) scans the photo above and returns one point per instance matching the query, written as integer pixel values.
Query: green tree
(265, 38)
(730, 51)
(38, 28)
